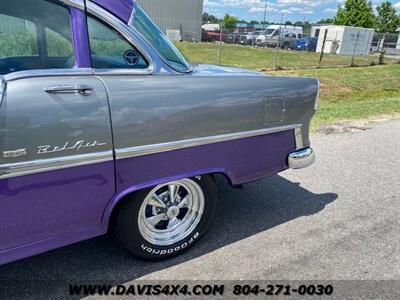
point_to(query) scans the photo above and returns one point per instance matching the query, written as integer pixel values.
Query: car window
(109, 50)
(150, 31)
(36, 37)
(57, 45)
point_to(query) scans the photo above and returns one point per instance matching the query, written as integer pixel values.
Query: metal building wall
(183, 15)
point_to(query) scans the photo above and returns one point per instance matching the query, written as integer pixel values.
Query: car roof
(122, 9)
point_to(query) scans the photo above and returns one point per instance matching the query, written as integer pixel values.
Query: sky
(292, 10)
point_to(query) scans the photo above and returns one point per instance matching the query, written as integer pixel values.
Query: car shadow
(241, 213)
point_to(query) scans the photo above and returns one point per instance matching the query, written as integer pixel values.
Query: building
(179, 19)
(345, 40)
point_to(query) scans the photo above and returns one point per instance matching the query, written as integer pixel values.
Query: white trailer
(345, 40)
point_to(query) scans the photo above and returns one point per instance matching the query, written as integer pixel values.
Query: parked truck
(285, 35)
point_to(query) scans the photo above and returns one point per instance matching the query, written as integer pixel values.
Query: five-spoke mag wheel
(166, 220)
(170, 212)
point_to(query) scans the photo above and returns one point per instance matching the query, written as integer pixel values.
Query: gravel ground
(337, 220)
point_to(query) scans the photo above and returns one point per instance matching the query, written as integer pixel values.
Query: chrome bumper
(301, 159)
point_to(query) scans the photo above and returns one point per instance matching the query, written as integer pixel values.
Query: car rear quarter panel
(158, 109)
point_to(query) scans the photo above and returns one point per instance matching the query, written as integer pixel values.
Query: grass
(263, 58)
(354, 93)
(346, 93)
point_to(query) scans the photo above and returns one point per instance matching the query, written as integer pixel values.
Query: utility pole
(278, 43)
(265, 14)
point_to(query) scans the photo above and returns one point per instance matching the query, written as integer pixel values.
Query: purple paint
(241, 161)
(44, 211)
(36, 208)
(122, 9)
(81, 38)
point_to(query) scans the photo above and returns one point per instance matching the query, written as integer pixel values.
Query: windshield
(145, 26)
(270, 31)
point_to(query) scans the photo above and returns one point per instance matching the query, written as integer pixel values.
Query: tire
(143, 232)
(286, 46)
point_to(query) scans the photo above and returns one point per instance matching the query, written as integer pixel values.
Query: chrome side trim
(301, 159)
(48, 73)
(317, 98)
(45, 165)
(127, 33)
(164, 147)
(298, 134)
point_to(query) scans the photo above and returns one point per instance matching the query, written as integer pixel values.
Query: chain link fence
(289, 50)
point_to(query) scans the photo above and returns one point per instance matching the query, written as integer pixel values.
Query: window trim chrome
(47, 73)
(75, 3)
(126, 33)
(51, 72)
(170, 146)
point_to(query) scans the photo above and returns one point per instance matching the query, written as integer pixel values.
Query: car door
(56, 148)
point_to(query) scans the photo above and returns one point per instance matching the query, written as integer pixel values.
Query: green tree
(326, 21)
(387, 19)
(208, 18)
(358, 13)
(229, 21)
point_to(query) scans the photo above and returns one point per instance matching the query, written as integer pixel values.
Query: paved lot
(338, 219)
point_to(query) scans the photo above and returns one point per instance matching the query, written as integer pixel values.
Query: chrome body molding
(2, 88)
(45, 165)
(164, 147)
(129, 34)
(48, 73)
(318, 93)
(301, 159)
(298, 134)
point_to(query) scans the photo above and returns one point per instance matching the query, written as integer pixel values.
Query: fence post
(382, 50)
(323, 48)
(221, 27)
(354, 51)
(276, 52)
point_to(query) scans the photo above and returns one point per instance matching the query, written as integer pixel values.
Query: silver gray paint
(210, 101)
(161, 107)
(30, 117)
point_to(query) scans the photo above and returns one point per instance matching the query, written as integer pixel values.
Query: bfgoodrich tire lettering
(166, 220)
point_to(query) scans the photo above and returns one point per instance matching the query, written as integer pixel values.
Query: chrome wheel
(170, 212)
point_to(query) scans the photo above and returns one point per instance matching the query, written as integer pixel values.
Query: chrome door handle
(84, 90)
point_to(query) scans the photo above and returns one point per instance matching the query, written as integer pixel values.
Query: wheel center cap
(173, 212)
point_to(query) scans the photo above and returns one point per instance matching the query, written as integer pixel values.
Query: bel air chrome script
(77, 146)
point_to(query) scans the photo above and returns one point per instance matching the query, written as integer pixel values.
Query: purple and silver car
(104, 126)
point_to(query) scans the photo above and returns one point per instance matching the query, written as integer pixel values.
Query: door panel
(56, 169)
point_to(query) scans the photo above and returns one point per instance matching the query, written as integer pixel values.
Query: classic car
(105, 127)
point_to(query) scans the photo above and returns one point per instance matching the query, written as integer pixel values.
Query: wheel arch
(113, 206)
